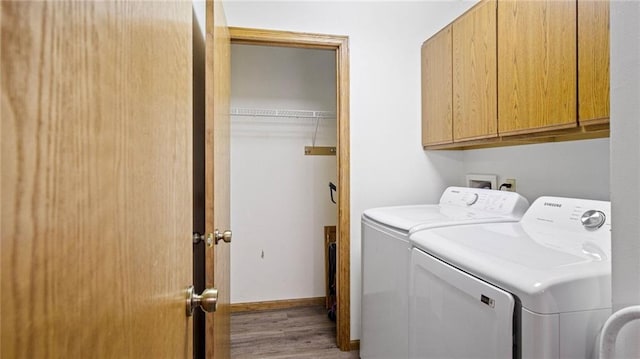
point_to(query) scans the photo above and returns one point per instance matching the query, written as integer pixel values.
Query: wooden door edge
(217, 137)
(340, 44)
(344, 203)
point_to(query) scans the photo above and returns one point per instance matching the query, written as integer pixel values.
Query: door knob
(206, 301)
(197, 238)
(225, 236)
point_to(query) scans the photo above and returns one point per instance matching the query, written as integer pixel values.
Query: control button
(593, 219)
(471, 199)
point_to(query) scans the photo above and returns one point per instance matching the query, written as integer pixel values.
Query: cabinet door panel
(475, 111)
(437, 89)
(593, 62)
(537, 62)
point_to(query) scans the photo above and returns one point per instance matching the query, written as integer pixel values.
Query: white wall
(279, 197)
(625, 162)
(199, 12)
(388, 165)
(577, 169)
(289, 78)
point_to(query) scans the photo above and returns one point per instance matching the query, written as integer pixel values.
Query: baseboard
(277, 304)
(354, 345)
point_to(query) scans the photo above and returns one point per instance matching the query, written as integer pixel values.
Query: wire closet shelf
(294, 114)
(257, 112)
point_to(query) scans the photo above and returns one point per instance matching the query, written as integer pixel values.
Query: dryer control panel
(570, 214)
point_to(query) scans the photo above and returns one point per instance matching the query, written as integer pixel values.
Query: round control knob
(593, 219)
(471, 199)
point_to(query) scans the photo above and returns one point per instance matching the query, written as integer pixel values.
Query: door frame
(340, 44)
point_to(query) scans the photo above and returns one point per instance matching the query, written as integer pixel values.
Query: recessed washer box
(482, 181)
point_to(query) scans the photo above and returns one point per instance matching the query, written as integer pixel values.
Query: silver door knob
(225, 236)
(206, 301)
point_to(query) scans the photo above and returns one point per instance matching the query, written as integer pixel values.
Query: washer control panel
(485, 200)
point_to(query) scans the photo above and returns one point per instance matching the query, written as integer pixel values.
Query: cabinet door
(475, 111)
(593, 62)
(437, 89)
(537, 61)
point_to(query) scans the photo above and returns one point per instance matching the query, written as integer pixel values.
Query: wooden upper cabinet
(593, 62)
(437, 89)
(475, 110)
(537, 66)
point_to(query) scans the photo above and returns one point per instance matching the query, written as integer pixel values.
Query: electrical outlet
(512, 182)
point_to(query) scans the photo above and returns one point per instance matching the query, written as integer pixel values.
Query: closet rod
(255, 112)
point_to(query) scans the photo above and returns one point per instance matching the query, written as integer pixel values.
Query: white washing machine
(386, 252)
(539, 288)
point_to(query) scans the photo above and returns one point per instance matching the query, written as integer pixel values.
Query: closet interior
(283, 174)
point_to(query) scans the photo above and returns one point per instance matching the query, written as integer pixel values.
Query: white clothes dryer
(386, 252)
(539, 288)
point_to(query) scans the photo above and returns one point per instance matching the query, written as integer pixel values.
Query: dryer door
(455, 315)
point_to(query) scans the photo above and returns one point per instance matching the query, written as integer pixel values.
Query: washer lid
(550, 261)
(458, 205)
(419, 217)
(403, 218)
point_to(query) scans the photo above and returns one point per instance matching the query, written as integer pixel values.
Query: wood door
(217, 175)
(537, 66)
(96, 179)
(475, 109)
(593, 62)
(437, 89)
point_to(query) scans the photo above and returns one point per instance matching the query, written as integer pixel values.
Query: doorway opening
(338, 49)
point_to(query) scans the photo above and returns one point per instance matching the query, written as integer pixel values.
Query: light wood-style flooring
(303, 332)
